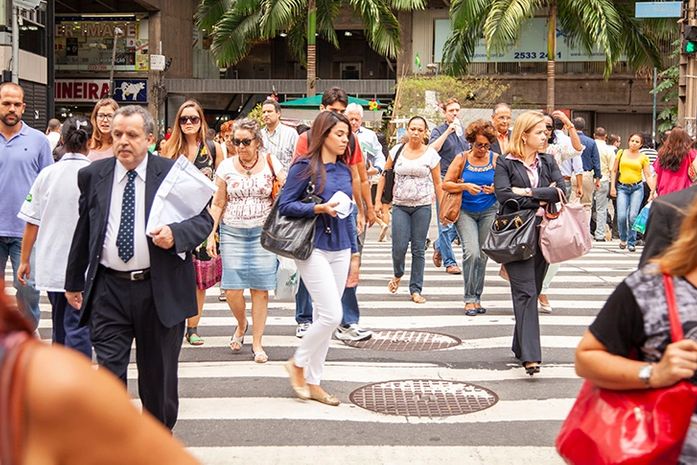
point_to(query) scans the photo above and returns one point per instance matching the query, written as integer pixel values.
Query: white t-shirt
(281, 143)
(52, 204)
(53, 139)
(413, 183)
(248, 197)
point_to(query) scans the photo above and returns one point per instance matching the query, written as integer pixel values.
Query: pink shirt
(671, 181)
(532, 170)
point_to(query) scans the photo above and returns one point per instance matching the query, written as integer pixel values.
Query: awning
(315, 101)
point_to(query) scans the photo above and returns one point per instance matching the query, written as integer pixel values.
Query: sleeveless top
(205, 159)
(481, 176)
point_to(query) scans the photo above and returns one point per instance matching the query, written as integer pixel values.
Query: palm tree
(603, 25)
(237, 25)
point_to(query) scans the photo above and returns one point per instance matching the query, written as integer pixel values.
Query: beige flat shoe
(301, 390)
(325, 398)
(418, 298)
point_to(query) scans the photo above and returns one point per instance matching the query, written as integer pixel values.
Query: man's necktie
(124, 239)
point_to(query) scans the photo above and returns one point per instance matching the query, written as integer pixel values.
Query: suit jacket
(173, 280)
(496, 147)
(512, 173)
(663, 225)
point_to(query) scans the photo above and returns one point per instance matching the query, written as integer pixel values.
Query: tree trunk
(551, 53)
(311, 47)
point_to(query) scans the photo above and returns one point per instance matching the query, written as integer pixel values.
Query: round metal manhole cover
(399, 340)
(423, 398)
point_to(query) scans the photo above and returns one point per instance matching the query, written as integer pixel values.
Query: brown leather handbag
(15, 351)
(451, 203)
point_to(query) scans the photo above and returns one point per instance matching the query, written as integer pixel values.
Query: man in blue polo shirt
(24, 152)
(448, 140)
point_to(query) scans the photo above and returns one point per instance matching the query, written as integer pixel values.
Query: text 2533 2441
(532, 55)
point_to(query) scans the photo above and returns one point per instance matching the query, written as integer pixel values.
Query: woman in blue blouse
(472, 173)
(335, 250)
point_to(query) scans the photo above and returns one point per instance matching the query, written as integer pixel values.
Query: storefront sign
(131, 90)
(81, 90)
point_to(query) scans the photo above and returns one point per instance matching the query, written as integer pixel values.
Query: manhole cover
(399, 340)
(423, 398)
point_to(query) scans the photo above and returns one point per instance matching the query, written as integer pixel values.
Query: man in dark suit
(129, 285)
(663, 225)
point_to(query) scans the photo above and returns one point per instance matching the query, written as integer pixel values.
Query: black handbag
(287, 236)
(388, 174)
(512, 236)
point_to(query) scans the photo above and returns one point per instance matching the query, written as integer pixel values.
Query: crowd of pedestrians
(77, 228)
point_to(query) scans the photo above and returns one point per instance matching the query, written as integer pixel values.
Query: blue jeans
(444, 242)
(66, 329)
(410, 225)
(349, 301)
(27, 296)
(629, 198)
(473, 229)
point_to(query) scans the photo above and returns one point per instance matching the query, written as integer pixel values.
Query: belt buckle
(138, 275)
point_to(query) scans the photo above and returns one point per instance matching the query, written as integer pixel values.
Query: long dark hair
(76, 134)
(674, 149)
(319, 132)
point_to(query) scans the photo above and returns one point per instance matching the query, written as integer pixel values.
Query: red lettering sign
(81, 90)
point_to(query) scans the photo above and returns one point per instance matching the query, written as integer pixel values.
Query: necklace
(248, 168)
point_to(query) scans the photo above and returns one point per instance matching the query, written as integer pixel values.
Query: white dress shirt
(281, 143)
(110, 253)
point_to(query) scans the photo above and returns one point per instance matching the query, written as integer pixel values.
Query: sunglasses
(482, 146)
(245, 142)
(549, 127)
(189, 119)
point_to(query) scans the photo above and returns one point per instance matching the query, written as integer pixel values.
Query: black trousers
(122, 311)
(526, 279)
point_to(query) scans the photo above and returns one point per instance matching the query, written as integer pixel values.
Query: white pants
(317, 273)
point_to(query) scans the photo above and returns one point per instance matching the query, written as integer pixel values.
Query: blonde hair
(98, 140)
(175, 145)
(681, 257)
(524, 123)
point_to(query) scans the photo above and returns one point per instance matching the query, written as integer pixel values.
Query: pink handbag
(565, 235)
(208, 272)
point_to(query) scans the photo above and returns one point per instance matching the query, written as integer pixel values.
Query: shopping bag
(641, 219)
(286, 279)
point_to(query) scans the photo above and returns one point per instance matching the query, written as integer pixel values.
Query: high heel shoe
(531, 368)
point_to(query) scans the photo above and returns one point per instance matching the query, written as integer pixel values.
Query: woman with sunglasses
(326, 272)
(101, 142)
(240, 206)
(188, 139)
(472, 173)
(416, 179)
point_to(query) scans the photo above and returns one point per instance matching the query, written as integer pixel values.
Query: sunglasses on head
(189, 119)
(486, 146)
(245, 142)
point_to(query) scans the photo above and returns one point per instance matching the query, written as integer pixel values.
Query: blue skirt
(246, 264)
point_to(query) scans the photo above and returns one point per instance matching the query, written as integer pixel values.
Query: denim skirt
(246, 264)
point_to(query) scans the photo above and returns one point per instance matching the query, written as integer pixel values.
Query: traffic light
(690, 43)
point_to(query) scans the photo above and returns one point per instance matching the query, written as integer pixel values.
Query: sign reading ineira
(81, 90)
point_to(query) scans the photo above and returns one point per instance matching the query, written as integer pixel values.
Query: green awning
(315, 101)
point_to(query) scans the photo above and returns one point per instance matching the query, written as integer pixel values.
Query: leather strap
(676, 332)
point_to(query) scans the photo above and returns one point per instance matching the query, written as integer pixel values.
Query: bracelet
(355, 254)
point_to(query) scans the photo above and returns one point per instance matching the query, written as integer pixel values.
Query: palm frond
(459, 50)
(327, 11)
(209, 12)
(381, 25)
(297, 39)
(467, 13)
(279, 15)
(504, 21)
(234, 36)
(408, 5)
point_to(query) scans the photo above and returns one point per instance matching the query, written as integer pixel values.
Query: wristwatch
(645, 373)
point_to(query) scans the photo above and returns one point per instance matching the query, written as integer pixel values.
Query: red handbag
(208, 272)
(637, 427)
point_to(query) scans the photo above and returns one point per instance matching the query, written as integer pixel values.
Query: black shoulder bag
(388, 174)
(512, 236)
(287, 236)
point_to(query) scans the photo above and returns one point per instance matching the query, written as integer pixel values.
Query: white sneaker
(302, 329)
(353, 333)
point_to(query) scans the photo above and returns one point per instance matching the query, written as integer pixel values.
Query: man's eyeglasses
(245, 142)
(105, 116)
(191, 119)
(482, 146)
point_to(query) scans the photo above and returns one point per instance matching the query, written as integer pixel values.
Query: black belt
(137, 275)
(630, 185)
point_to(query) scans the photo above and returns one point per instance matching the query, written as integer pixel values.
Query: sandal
(261, 357)
(531, 368)
(192, 337)
(471, 311)
(236, 342)
(393, 285)
(418, 298)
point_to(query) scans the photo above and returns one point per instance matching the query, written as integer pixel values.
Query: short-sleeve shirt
(281, 143)
(248, 197)
(413, 184)
(100, 154)
(453, 145)
(354, 157)
(631, 168)
(52, 204)
(21, 159)
(634, 324)
(668, 181)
